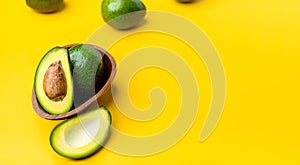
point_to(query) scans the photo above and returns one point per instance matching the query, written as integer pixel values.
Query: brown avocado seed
(55, 83)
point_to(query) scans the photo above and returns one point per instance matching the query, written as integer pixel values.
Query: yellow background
(258, 42)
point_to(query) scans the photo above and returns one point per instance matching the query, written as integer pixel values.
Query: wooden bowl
(110, 71)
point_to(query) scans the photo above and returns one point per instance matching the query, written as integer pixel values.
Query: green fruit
(87, 66)
(82, 135)
(123, 14)
(185, 1)
(45, 6)
(53, 82)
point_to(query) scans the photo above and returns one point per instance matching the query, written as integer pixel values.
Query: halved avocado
(87, 66)
(82, 135)
(53, 82)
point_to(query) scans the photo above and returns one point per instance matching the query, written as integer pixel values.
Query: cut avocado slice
(82, 135)
(87, 66)
(53, 82)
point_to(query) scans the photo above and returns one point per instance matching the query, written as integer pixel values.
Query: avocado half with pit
(53, 82)
(82, 135)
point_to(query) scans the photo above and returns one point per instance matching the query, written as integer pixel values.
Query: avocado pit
(55, 83)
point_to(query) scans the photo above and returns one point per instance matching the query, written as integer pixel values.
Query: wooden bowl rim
(42, 113)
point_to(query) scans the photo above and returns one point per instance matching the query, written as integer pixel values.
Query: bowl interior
(106, 80)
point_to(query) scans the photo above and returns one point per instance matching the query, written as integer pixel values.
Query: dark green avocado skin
(123, 14)
(87, 67)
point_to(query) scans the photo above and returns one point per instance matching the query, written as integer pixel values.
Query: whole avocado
(185, 1)
(46, 6)
(123, 14)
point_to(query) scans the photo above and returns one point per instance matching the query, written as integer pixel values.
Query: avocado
(123, 14)
(46, 6)
(87, 65)
(82, 135)
(53, 82)
(185, 1)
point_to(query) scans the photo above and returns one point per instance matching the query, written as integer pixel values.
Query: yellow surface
(258, 42)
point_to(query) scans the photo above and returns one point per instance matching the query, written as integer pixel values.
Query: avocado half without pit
(61, 83)
(82, 135)
(88, 71)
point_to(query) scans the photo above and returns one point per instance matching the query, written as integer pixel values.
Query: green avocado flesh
(123, 14)
(53, 82)
(45, 6)
(87, 66)
(82, 135)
